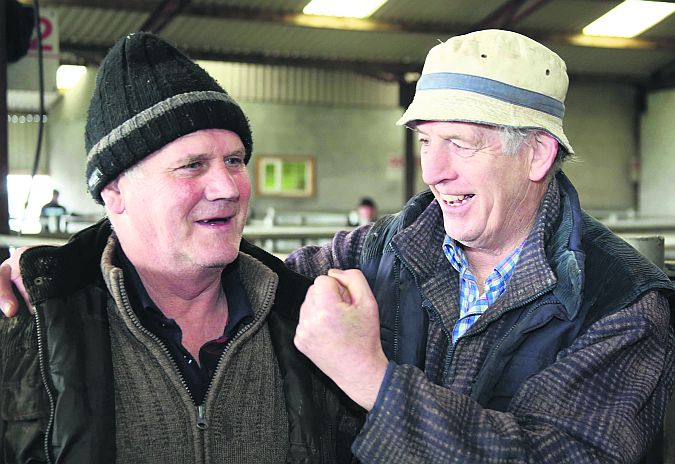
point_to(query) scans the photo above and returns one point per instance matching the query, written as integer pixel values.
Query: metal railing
(252, 233)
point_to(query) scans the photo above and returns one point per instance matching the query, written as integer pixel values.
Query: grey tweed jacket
(601, 396)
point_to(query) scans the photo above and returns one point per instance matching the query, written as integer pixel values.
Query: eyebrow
(237, 152)
(192, 157)
(200, 156)
(449, 135)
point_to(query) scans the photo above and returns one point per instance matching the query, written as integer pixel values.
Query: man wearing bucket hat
(160, 335)
(504, 323)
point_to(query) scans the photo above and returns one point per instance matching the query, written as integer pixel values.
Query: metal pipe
(4, 145)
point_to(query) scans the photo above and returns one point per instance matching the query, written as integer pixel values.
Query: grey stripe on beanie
(149, 114)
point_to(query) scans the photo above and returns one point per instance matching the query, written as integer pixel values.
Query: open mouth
(456, 200)
(214, 221)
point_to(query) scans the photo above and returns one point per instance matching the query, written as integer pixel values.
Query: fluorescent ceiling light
(345, 8)
(67, 76)
(630, 18)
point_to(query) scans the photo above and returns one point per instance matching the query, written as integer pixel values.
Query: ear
(112, 197)
(544, 150)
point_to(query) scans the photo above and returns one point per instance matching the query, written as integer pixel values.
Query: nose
(221, 184)
(438, 164)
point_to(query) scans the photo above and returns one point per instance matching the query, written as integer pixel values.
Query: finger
(10, 273)
(309, 308)
(307, 303)
(329, 290)
(355, 283)
(8, 302)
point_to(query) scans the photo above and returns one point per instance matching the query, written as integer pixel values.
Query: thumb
(355, 284)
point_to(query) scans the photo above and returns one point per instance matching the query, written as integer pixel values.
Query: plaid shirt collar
(472, 301)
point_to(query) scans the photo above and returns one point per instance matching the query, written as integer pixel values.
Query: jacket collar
(564, 249)
(259, 282)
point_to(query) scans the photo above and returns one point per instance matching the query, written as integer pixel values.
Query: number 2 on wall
(46, 29)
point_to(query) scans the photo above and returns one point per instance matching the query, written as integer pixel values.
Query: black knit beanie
(147, 95)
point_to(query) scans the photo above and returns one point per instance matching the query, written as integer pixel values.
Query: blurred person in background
(366, 212)
(50, 214)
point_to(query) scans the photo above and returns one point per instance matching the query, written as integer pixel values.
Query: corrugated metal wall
(22, 132)
(279, 84)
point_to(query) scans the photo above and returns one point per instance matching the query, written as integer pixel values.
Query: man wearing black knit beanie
(160, 335)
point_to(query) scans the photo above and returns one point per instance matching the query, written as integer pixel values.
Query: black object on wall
(19, 23)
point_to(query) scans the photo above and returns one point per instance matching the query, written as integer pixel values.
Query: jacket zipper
(45, 381)
(202, 412)
(139, 326)
(501, 340)
(451, 352)
(397, 316)
(201, 418)
(448, 357)
(202, 423)
(493, 353)
(430, 309)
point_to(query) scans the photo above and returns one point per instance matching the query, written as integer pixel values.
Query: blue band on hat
(494, 89)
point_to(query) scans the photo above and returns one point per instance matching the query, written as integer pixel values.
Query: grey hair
(513, 139)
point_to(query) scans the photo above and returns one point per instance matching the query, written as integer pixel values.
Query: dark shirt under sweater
(197, 375)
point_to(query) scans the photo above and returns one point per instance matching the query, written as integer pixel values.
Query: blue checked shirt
(471, 303)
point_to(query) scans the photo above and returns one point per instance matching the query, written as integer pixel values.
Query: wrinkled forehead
(205, 141)
(455, 127)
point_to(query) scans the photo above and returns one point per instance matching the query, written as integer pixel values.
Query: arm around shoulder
(343, 252)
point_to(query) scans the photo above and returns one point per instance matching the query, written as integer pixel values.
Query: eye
(459, 144)
(423, 140)
(235, 160)
(462, 149)
(192, 165)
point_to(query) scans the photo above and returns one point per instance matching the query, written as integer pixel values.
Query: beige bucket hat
(492, 77)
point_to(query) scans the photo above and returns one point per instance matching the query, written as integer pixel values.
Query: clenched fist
(339, 330)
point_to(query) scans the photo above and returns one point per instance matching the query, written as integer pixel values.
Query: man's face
(185, 206)
(486, 196)
(366, 213)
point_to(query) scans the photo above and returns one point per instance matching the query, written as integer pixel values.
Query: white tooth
(451, 198)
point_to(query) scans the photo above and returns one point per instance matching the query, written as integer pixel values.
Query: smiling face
(489, 199)
(183, 208)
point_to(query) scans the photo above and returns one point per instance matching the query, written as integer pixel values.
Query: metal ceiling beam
(224, 12)
(509, 14)
(381, 69)
(163, 14)
(131, 5)
(384, 70)
(502, 17)
(529, 10)
(662, 78)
